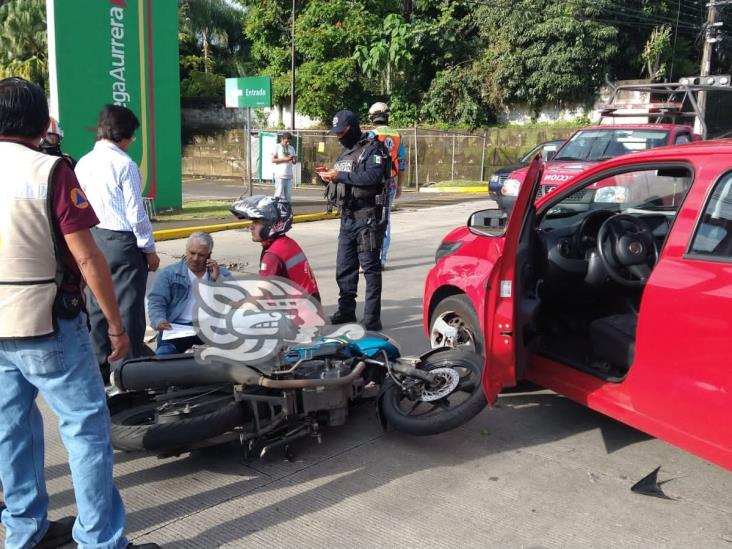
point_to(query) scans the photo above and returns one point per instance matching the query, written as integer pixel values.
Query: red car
(594, 144)
(622, 302)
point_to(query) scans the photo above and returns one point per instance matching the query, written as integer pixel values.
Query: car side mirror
(490, 222)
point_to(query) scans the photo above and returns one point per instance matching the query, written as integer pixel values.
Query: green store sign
(123, 52)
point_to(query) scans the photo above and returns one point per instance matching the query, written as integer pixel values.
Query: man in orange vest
(379, 116)
(281, 255)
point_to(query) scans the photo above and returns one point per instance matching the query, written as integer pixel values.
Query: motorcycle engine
(329, 403)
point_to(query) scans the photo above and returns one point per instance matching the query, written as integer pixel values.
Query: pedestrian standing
(379, 116)
(357, 186)
(113, 185)
(44, 343)
(283, 158)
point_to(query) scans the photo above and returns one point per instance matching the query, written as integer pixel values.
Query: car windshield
(547, 149)
(599, 144)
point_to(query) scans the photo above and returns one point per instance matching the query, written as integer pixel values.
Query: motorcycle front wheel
(455, 397)
(139, 423)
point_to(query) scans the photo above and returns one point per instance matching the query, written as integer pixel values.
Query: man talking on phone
(171, 298)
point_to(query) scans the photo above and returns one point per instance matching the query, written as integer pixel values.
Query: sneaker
(142, 546)
(58, 533)
(340, 317)
(372, 325)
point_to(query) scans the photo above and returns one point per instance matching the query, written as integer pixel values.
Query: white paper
(178, 330)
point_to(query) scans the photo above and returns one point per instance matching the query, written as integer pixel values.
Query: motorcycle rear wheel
(459, 399)
(134, 425)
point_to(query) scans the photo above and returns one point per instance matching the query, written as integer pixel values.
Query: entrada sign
(251, 92)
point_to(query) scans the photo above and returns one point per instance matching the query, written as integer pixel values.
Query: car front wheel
(454, 323)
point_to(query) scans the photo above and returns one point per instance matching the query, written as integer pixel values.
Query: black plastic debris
(649, 485)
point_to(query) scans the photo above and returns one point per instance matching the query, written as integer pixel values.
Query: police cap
(342, 120)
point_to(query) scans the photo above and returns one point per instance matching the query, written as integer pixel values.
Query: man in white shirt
(113, 185)
(283, 159)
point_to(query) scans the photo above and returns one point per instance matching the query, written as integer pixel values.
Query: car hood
(563, 171)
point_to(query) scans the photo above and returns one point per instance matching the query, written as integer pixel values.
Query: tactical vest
(297, 265)
(346, 196)
(29, 270)
(392, 141)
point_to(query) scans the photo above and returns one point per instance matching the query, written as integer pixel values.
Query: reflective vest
(296, 264)
(393, 142)
(29, 271)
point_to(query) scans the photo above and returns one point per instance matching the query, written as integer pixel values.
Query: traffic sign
(250, 92)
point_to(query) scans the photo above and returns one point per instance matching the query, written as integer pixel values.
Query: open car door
(512, 300)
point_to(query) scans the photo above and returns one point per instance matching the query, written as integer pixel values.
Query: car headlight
(511, 187)
(446, 248)
(612, 195)
(495, 178)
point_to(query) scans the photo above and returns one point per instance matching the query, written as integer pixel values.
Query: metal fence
(432, 156)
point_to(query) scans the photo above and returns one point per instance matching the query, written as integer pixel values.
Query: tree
(544, 52)
(213, 22)
(388, 51)
(456, 98)
(657, 52)
(23, 42)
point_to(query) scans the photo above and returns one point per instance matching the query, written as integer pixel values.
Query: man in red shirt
(281, 255)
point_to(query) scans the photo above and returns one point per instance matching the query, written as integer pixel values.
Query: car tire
(457, 311)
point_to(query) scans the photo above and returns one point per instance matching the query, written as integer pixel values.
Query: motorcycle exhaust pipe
(180, 371)
(303, 383)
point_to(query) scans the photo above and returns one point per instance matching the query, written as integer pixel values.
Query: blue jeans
(387, 234)
(283, 188)
(62, 367)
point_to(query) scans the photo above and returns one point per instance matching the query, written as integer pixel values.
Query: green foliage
(23, 42)
(456, 98)
(657, 53)
(202, 84)
(544, 51)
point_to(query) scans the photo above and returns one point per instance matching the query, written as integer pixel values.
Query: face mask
(47, 148)
(351, 137)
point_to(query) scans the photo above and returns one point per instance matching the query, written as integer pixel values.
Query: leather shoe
(372, 325)
(58, 533)
(340, 317)
(142, 546)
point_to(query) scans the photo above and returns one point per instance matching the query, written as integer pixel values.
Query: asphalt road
(305, 200)
(537, 471)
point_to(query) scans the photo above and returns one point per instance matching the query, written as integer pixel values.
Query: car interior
(590, 254)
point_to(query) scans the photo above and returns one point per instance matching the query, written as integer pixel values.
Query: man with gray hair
(171, 298)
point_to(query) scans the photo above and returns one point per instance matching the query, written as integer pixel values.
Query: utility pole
(292, 69)
(706, 65)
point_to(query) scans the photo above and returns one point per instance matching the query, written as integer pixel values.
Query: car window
(714, 234)
(682, 139)
(600, 144)
(637, 191)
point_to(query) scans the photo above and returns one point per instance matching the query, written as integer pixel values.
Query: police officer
(357, 187)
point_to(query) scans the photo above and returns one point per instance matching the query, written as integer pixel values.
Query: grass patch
(197, 209)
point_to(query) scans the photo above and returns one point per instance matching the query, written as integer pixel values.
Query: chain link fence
(432, 156)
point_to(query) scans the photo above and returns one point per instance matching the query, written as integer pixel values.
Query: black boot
(339, 317)
(58, 533)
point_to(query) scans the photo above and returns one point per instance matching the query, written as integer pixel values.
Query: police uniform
(359, 193)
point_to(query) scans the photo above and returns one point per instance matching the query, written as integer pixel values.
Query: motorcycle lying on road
(172, 404)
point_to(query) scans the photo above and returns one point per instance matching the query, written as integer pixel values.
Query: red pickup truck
(621, 302)
(594, 144)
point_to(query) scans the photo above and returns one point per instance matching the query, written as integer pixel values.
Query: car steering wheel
(626, 243)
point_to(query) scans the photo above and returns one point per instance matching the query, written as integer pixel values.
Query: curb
(184, 232)
(473, 189)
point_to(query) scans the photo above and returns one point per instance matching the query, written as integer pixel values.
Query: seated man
(281, 255)
(171, 298)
